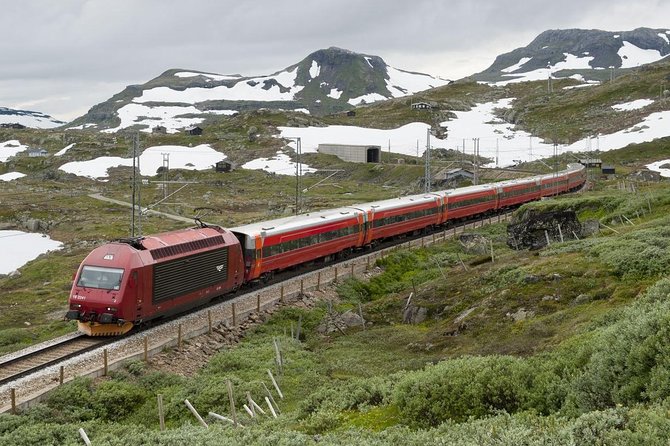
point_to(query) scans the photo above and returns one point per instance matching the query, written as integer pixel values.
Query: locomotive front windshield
(100, 277)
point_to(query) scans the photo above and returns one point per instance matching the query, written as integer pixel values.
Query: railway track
(36, 360)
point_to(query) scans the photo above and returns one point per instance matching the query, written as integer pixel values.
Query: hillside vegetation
(585, 365)
(566, 345)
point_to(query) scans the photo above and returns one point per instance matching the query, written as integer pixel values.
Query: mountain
(27, 118)
(582, 54)
(327, 81)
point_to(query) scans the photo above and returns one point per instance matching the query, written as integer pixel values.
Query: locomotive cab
(103, 291)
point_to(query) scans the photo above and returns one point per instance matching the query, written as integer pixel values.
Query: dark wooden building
(194, 131)
(224, 166)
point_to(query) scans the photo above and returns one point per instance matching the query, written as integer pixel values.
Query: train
(137, 280)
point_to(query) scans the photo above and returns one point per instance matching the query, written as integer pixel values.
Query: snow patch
(315, 69)
(335, 93)
(216, 77)
(200, 157)
(22, 247)
(664, 37)
(633, 105)
(251, 89)
(402, 139)
(35, 120)
(401, 83)
(62, 151)
(571, 62)
(366, 99)
(82, 126)
(166, 116)
(10, 176)
(367, 59)
(279, 164)
(656, 167)
(480, 122)
(10, 148)
(517, 65)
(633, 56)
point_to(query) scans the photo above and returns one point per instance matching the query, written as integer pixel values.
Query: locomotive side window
(99, 277)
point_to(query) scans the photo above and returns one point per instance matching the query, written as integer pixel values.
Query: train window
(99, 277)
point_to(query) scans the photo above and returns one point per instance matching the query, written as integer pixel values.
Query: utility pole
(136, 199)
(426, 187)
(298, 174)
(166, 170)
(475, 151)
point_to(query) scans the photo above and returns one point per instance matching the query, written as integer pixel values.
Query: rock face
(531, 231)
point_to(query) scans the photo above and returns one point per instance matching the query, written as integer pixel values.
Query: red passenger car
(469, 201)
(274, 245)
(404, 215)
(124, 283)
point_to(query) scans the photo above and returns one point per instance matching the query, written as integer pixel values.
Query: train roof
(396, 203)
(295, 222)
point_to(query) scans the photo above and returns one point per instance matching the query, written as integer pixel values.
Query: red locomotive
(128, 282)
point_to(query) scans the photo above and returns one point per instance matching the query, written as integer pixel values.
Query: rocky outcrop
(536, 229)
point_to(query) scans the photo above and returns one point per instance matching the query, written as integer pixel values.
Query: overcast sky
(61, 57)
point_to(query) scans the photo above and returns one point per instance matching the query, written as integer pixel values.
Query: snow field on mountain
(250, 90)
(33, 120)
(21, 247)
(166, 116)
(631, 56)
(401, 83)
(479, 122)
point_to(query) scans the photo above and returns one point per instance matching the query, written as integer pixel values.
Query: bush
(462, 388)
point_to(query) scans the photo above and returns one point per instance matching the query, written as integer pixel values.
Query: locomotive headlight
(112, 309)
(73, 306)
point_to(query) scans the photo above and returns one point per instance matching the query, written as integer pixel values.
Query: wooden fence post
(318, 280)
(352, 270)
(179, 337)
(82, 434)
(209, 321)
(146, 349)
(61, 375)
(232, 401)
(161, 413)
(258, 303)
(270, 395)
(195, 414)
(274, 383)
(234, 315)
(335, 274)
(281, 295)
(104, 362)
(302, 287)
(12, 393)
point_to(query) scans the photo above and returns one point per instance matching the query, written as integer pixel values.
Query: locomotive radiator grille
(186, 275)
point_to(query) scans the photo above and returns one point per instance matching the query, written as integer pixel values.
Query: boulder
(530, 230)
(474, 243)
(414, 315)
